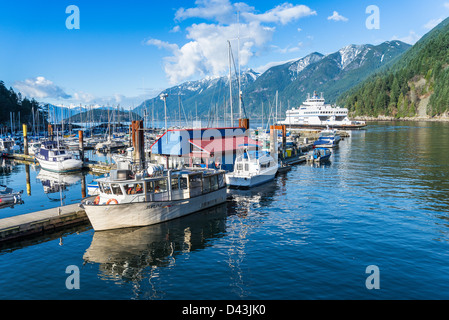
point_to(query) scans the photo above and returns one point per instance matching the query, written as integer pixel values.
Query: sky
(81, 52)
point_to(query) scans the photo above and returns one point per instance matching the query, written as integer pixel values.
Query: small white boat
(109, 145)
(134, 199)
(252, 167)
(8, 145)
(8, 195)
(54, 157)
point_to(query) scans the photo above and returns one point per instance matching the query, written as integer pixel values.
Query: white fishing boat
(151, 196)
(314, 113)
(252, 167)
(54, 157)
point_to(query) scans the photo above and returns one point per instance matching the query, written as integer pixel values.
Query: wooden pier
(41, 222)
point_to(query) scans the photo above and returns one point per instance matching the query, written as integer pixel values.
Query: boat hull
(245, 182)
(71, 165)
(139, 214)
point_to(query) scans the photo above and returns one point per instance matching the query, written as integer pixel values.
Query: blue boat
(320, 155)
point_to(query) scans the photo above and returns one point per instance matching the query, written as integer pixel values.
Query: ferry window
(239, 166)
(206, 184)
(150, 187)
(160, 185)
(174, 184)
(214, 183)
(183, 183)
(116, 189)
(246, 167)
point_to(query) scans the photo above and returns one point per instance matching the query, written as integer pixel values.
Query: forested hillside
(13, 102)
(416, 85)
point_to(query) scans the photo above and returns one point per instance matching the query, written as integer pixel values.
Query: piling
(81, 145)
(25, 139)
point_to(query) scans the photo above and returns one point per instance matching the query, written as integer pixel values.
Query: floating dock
(40, 222)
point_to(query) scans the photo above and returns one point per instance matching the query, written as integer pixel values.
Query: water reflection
(128, 254)
(55, 184)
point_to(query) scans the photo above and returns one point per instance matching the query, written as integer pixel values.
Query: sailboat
(252, 166)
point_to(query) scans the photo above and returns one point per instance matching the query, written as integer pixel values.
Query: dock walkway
(49, 220)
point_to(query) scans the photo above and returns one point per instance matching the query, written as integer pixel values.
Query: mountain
(197, 97)
(332, 74)
(416, 84)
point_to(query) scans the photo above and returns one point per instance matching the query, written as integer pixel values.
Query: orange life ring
(112, 200)
(97, 200)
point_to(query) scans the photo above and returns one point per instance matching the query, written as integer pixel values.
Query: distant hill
(102, 115)
(417, 84)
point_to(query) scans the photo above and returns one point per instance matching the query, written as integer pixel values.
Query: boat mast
(230, 83)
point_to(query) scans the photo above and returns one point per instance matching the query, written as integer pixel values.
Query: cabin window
(246, 167)
(213, 183)
(183, 183)
(221, 182)
(150, 187)
(116, 189)
(134, 188)
(107, 189)
(206, 184)
(239, 166)
(100, 185)
(174, 184)
(160, 186)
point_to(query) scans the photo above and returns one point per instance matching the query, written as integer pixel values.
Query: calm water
(383, 200)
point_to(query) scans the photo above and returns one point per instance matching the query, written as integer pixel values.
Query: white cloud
(337, 17)
(283, 14)
(433, 23)
(446, 5)
(411, 38)
(175, 29)
(39, 88)
(206, 52)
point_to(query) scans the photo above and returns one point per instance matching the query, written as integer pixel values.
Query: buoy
(112, 200)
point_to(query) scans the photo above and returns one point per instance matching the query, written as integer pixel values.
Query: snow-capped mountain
(331, 74)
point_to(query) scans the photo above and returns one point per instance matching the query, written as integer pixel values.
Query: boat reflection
(124, 253)
(57, 183)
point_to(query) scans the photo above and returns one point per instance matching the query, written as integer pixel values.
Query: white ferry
(314, 113)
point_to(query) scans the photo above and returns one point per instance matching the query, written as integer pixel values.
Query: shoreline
(416, 119)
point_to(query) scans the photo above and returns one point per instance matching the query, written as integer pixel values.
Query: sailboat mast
(230, 84)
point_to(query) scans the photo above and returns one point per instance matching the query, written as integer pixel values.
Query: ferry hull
(139, 214)
(323, 126)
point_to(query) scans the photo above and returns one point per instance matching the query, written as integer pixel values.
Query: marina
(393, 216)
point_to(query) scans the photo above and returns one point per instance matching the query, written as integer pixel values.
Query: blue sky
(125, 51)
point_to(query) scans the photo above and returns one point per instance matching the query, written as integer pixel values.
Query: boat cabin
(123, 187)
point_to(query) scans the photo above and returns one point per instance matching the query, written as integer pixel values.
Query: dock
(40, 222)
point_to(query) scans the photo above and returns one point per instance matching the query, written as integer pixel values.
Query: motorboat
(8, 195)
(252, 167)
(140, 198)
(53, 156)
(328, 138)
(319, 155)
